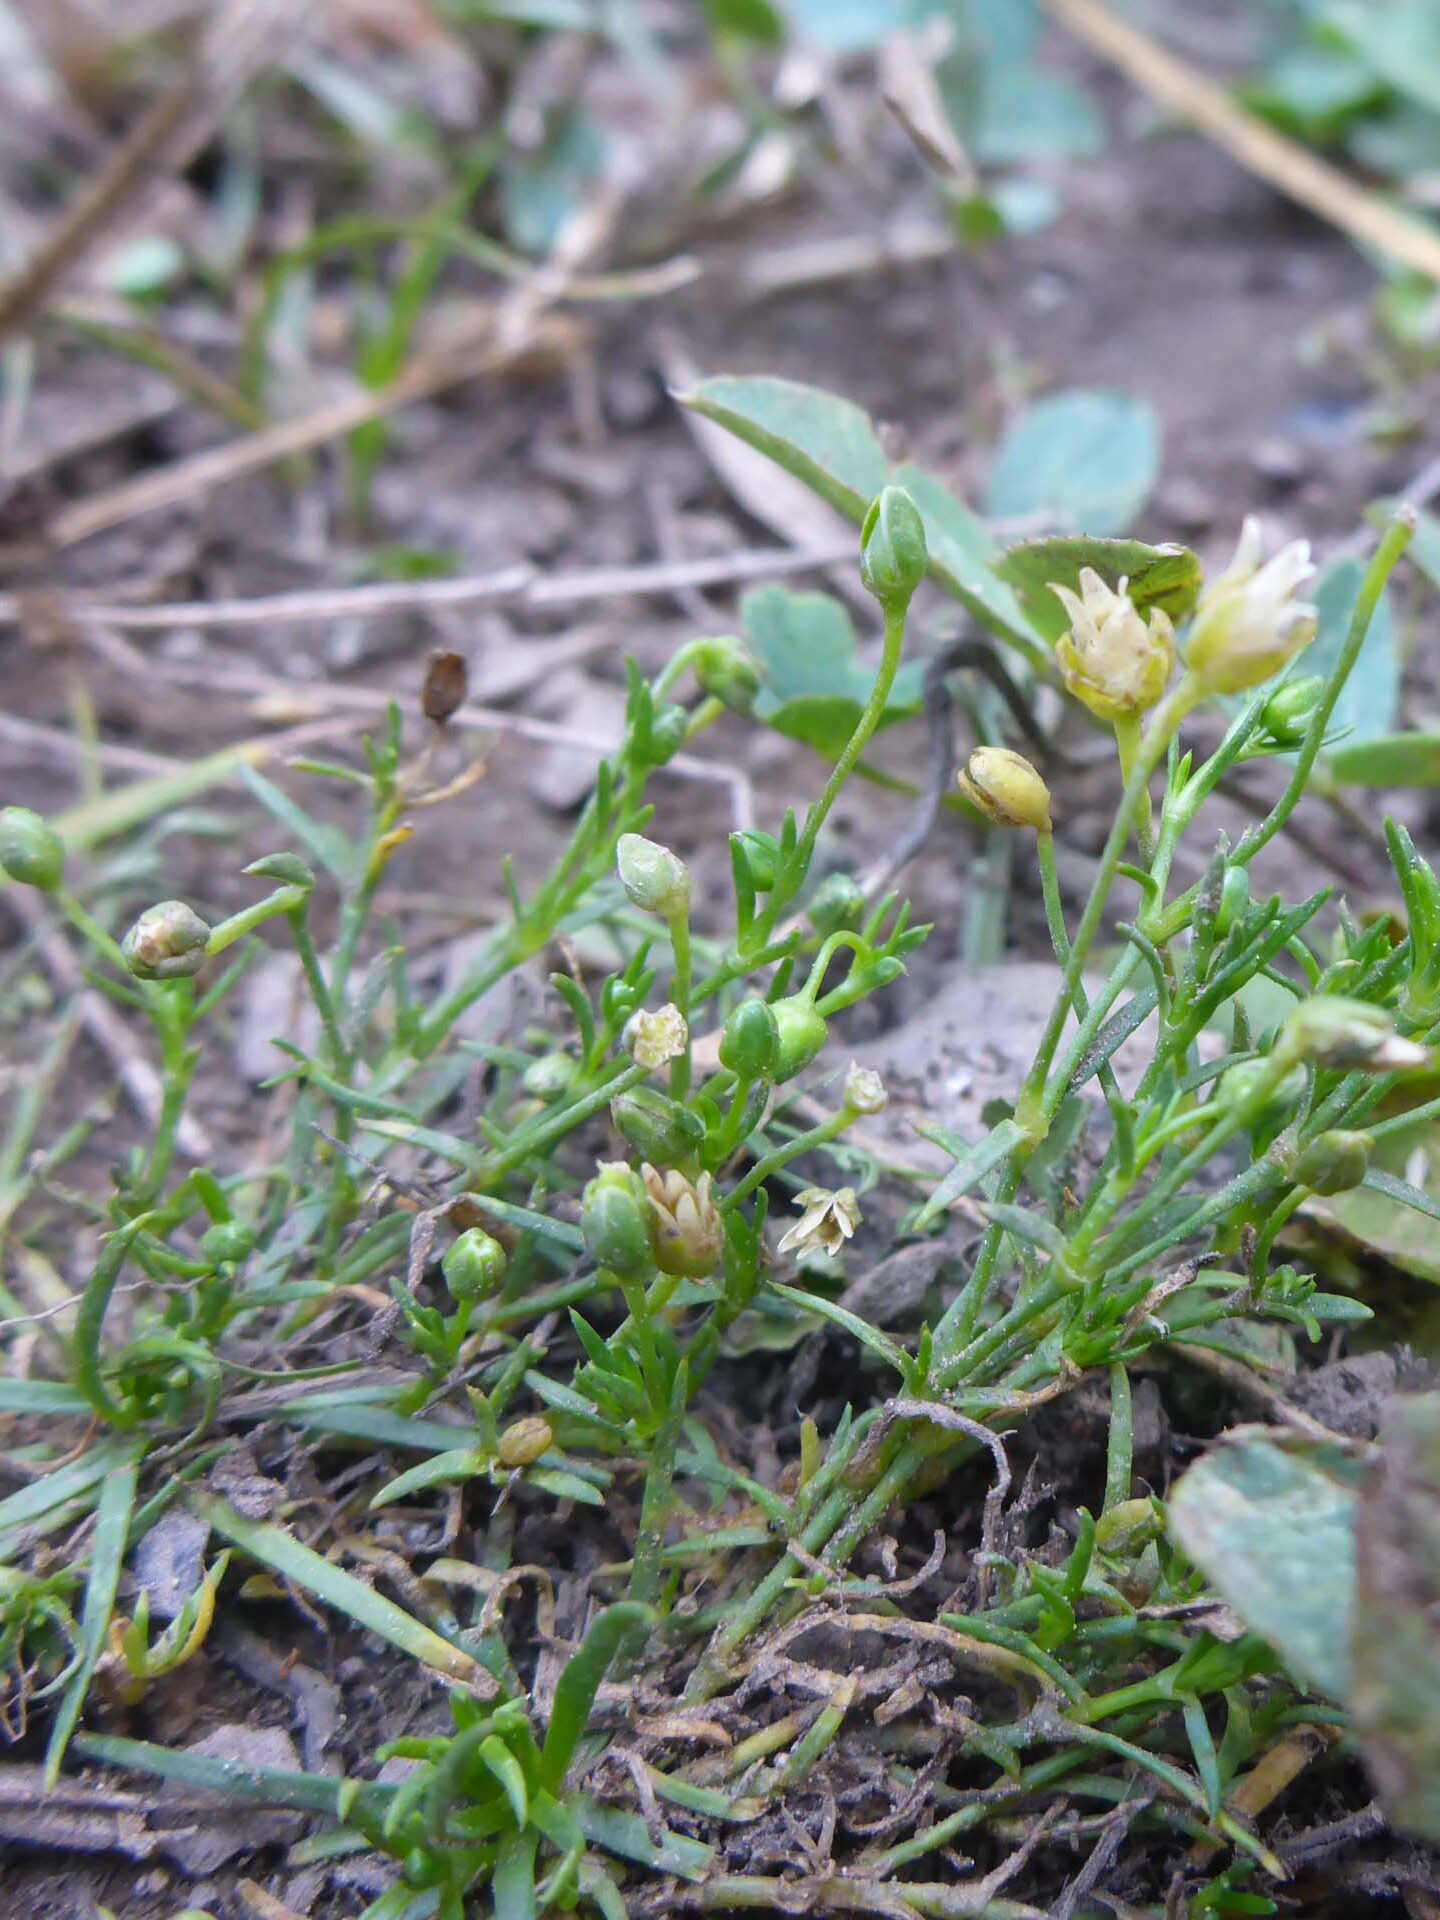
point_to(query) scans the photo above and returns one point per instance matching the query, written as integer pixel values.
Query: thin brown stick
(1288, 167)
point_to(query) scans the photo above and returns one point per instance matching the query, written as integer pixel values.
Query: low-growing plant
(571, 1265)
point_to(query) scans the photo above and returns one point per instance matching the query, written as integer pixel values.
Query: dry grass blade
(1300, 175)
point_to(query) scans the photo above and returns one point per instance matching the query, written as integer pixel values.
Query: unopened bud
(659, 1130)
(227, 1243)
(839, 902)
(1251, 1087)
(1334, 1162)
(1348, 1034)
(750, 1040)
(1129, 1524)
(473, 1264)
(550, 1077)
(615, 1219)
(446, 684)
(1249, 621)
(657, 1038)
(865, 1090)
(524, 1441)
(1114, 659)
(668, 735)
(167, 942)
(1004, 786)
(31, 851)
(893, 555)
(726, 669)
(654, 878)
(760, 853)
(1287, 714)
(802, 1033)
(687, 1232)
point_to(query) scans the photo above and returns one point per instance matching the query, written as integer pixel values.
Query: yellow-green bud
(654, 878)
(668, 734)
(687, 1232)
(1234, 899)
(1114, 659)
(615, 1219)
(839, 902)
(473, 1264)
(893, 555)
(1129, 1524)
(31, 851)
(656, 1038)
(802, 1033)
(1004, 786)
(726, 669)
(524, 1441)
(1288, 712)
(865, 1090)
(657, 1129)
(1334, 1162)
(167, 942)
(1348, 1034)
(1249, 622)
(750, 1040)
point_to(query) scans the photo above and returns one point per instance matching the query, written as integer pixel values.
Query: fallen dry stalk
(1303, 177)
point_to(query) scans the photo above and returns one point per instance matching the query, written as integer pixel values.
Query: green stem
(678, 926)
(771, 1164)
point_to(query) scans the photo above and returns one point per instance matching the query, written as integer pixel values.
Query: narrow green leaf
(626, 1836)
(575, 1693)
(878, 1343)
(107, 1553)
(970, 1169)
(273, 1547)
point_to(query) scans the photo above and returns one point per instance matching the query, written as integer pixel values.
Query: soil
(1171, 273)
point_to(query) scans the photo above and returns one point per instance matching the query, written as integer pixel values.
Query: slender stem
(680, 991)
(781, 1156)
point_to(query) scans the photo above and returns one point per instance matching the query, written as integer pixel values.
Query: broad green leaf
(540, 193)
(1167, 577)
(748, 19)
(822, 439)
(1080, 461)
(1395, 1697)
(1313, 91)
(815, 689)
(1401, 142)
(1388, 1217)
(1387, 760)
(1271, 1522)
(1028, 112)
(1371, 696)
(1400, 39)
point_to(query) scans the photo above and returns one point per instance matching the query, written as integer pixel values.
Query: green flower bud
(1234, 899)
(652, 876)
(1287, 714)
(1334, 1162)
(726, 669)
(865, 1090)
(669, 734)
(1128, 1525)
(761, 854)
(31, 851)
(687, 1232)
(1348, 1034)
(473, 1264)
(615, 1219)
(802, 1033)
(550, 1077)
(167, 942)
(750, 1040)
(893, 556)
(227, 1243)
(839, 902)
(524, 1441)
(658, 1129)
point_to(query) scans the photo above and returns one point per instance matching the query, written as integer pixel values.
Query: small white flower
(1249, 621)
(657, 1038)
(865, 1090)
(1113, 659)
(829, 1220)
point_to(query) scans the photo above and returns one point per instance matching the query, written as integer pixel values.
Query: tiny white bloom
(657, 1038)
(1249, 622)
(865, 1090)
(829, 1220)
